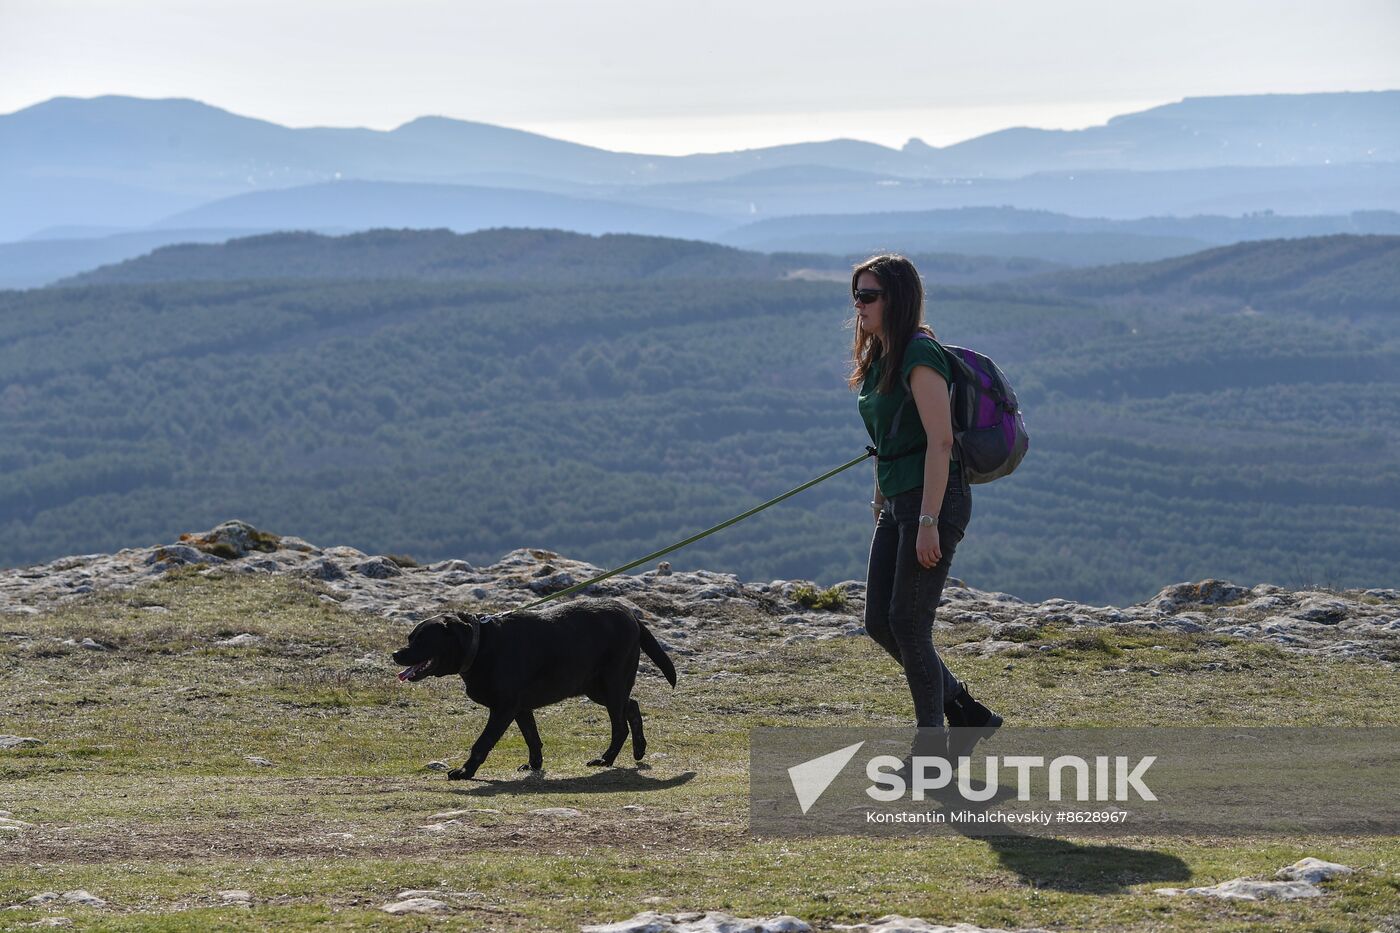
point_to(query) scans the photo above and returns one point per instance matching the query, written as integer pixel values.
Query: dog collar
(471, 642)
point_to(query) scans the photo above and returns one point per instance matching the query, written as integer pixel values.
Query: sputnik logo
(811, 778)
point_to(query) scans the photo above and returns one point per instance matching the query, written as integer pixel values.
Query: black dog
(525, 660)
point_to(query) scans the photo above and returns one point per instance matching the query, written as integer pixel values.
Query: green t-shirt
(877, 411)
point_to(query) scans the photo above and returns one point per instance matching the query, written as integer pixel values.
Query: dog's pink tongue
(403, 674)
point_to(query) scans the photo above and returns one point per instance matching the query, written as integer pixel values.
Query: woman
(922, 502)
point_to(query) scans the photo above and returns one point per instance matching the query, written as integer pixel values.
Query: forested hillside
(506, 254)
(1356, 274)
(1046, 235)
(608, 419)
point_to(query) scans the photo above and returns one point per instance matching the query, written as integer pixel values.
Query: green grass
(142, 793)
(833, 598)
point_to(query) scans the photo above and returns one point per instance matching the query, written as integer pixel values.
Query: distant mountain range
(128, 163)
(994, 244)
(355, 205)
(1056, 237)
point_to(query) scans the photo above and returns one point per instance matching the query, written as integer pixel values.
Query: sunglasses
(864, 296)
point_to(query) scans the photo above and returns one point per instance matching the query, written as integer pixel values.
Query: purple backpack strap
(989, 433)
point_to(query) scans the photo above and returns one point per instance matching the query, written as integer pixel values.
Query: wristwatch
(927, 521)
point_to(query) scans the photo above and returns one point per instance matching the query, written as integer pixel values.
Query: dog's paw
(530, 767)
(600, 763)
(461, 774)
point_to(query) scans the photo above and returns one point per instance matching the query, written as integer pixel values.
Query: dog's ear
(468, 635)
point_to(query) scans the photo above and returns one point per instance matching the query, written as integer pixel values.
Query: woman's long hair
(904, 314)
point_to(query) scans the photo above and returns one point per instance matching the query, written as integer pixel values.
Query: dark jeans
(901, 595)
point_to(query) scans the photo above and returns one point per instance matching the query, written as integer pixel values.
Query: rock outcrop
(719, 922)
(709, 922)
(1363, 624)
(1299, 880)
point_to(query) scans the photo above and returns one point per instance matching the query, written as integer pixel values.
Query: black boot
(971, 721)
(963, 710)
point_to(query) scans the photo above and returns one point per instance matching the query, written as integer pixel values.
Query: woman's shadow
(1080, 867)
(1084, 868)
(1039, 861)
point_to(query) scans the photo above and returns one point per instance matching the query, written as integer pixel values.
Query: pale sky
(700, 75)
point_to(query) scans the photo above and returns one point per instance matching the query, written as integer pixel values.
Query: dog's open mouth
(416, 671)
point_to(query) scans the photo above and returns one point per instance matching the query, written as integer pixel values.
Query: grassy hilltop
(143, 792)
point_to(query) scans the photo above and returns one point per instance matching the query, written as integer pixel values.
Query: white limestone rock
(417, 905)
(451, 566)
(712, 922)
(1013, 631)
(232, 539)
(1312, 870)
(239, 641)
(378, 568)
(1247, 889)
(894, 923)
(553, 583)
(19, 741)
(79, 897)
(435, 893)
(1186, 622)
(1322, 610)
(455, 814)
(323, 568)
(179, 555)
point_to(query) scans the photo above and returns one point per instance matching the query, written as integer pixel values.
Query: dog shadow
(606, 781)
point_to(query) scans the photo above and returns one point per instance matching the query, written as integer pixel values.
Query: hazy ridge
(130, 163)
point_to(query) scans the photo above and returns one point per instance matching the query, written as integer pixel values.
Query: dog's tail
(656, 653)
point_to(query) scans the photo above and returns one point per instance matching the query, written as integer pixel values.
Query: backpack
(989, 434)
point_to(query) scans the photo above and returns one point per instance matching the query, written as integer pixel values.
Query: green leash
(869, 452)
